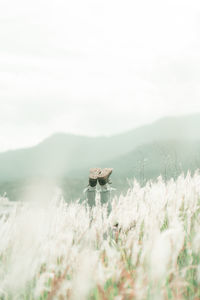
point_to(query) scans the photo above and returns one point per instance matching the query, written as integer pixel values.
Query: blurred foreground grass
(55, 250)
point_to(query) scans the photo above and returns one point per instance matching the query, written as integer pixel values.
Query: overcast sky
(95, 67)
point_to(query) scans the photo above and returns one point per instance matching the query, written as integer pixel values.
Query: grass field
(57, 250)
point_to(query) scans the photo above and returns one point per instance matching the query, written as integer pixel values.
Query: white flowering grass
(54, 250)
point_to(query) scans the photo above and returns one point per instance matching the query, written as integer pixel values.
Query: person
(102, 176)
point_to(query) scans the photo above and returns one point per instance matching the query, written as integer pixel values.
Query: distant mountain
(61, 154)
(168, 147)
(167, 158)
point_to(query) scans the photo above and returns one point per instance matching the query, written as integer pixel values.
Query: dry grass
(55, 250)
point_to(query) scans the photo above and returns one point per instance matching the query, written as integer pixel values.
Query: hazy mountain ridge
(59, 154)
(166, 147)
(169, 158)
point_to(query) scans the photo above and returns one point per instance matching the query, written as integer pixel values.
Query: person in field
(101, 176)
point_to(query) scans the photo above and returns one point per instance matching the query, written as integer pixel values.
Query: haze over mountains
(168, 147)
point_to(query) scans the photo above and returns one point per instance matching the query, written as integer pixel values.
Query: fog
(95, 67)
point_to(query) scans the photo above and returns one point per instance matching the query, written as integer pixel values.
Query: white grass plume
(54, 250)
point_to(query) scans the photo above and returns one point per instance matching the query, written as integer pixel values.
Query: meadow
(56, 250)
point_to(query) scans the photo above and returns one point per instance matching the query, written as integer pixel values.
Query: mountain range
(167, 147)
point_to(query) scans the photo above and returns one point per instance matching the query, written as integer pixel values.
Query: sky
(95, 67)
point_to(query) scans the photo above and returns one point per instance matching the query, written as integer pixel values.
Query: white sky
(95, 67)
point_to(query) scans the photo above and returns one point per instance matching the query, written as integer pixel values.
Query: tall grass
(57, 250)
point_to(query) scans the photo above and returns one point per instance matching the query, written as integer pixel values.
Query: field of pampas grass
(57, 250)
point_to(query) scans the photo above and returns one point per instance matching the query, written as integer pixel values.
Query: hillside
(61, 153)
(169, 158)
(168, 147)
